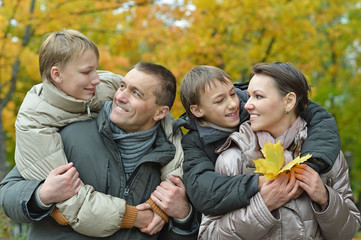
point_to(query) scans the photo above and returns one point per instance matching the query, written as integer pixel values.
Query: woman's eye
(259, 97)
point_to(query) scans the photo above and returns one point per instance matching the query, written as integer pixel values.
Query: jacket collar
(208, 134)
(61, 100)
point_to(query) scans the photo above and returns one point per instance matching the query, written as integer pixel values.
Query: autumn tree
(320, 37)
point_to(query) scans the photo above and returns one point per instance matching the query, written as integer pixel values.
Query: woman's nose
(248, 105)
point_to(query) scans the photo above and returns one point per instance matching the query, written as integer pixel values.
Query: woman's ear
(290, 101)
(55, 74)
(196, 110)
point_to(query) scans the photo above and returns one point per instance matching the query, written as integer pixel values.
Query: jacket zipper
(130, 181)
(88, 107)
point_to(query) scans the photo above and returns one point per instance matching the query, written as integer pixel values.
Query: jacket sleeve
(210, 192)
(93, 213)
(251, 222)
(323, 140)
(341, 218)
(15, 198)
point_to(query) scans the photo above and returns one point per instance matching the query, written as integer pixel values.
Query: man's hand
(155, 225)
(62, 183)
(172, 198)
(278, 192)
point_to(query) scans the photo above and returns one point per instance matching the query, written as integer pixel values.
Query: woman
(304, 205)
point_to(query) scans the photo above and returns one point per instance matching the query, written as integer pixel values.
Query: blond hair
(62, 47)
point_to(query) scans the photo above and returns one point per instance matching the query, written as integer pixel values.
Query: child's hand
(62, 183)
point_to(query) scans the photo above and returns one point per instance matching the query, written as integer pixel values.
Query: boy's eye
(220, 100)
(87, 72)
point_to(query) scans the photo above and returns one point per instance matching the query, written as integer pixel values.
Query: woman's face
(266, 106)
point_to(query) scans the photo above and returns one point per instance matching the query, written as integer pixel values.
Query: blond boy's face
(78, 78)
(219, 105)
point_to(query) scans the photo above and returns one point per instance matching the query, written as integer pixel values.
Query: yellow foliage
(271, 165)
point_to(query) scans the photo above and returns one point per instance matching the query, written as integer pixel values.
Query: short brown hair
(196, 81)
(287, 79)
(165, 93)
(59, 48)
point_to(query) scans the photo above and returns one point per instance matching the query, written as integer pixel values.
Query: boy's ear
(161, 112)
(55, 74)
(197, 111)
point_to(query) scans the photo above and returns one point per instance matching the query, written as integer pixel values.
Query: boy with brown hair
(214, 109)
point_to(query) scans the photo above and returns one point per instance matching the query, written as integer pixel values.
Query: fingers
(177, 181)
(155, 226)
(63, 168)
(144, 206)
(157, 200)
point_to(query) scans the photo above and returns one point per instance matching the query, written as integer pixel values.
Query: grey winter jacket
(214, 194)
(90, 146)
(298, 219)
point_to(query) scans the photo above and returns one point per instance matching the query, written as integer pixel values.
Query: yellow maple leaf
(295, 162)
(271, 165)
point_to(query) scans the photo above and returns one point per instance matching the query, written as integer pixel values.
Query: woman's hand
(311, 182)
(278, 192)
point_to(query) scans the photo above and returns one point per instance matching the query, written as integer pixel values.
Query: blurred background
(320, 37)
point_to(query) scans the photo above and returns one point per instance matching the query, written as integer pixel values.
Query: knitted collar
(132, 146)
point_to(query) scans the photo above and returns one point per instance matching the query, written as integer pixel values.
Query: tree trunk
(4, 166)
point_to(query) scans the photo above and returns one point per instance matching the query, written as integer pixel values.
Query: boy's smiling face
(219, 104)
(78, 78)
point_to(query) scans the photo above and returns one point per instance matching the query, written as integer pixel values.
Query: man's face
(134, 107)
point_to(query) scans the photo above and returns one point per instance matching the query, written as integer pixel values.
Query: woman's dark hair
(287, 79)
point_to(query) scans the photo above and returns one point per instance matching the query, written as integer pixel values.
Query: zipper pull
(126, 191)
(88, 107)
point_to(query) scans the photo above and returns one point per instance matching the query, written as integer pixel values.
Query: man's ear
(161, 112)
(290, 101)
(197, 111)
(55, 74)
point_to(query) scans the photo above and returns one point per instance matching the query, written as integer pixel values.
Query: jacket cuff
(59, 217)
(157, 210)
(38, 200)
(129, 216)
(252, 186)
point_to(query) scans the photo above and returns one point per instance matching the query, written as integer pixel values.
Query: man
(120, 153)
